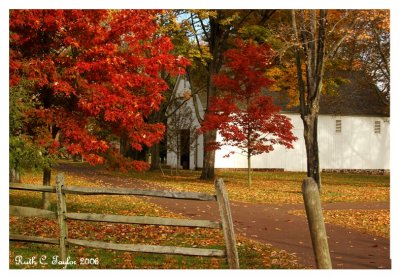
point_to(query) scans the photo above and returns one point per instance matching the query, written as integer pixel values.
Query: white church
(353, 133)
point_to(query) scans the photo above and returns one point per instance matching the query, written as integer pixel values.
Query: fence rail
(116, 191)
(62, 216)
(29, 238)
(23, 211)
(150, 248)
(143, 220)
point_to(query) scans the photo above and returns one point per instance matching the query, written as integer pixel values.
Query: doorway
(185, 148)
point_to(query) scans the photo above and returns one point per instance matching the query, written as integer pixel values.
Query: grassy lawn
(252, 255)
(374, 222)
(277, 187)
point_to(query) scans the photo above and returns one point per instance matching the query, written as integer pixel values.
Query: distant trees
(367, 48)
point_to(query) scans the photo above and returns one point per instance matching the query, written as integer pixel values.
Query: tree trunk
(249, 169)
(208, 171)
(313, 48)
(178, 151)
(311, 142)
(217, 39)
(124, 145)
(46, 182)
(155, 157)
(15, 176)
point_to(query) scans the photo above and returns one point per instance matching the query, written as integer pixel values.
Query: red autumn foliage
(244, 117)
(93, 70)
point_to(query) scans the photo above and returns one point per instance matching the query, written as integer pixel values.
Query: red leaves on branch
(94, 70)
(243, 115)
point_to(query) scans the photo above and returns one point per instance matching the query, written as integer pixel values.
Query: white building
(353, 133)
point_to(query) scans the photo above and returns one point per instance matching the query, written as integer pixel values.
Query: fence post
(316, 223)
(227, 224)
(61, 210)
(46, 182)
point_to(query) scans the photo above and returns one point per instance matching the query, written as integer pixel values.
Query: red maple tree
(96, 75)
(243, 115)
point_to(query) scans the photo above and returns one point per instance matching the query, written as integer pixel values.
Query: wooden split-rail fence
(62, 216)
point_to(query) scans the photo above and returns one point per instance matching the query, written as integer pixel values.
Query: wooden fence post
(61, 210)
(46, 182)
(316, 223)
(227, 224)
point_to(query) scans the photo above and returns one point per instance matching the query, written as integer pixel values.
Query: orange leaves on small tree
(244, 117)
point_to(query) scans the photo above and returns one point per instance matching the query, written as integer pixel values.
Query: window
(338, 127)
(377, 127)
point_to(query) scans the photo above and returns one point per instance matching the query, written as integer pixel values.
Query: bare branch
(195, 35)
(383, 56)
(204, 29)
(195, 100)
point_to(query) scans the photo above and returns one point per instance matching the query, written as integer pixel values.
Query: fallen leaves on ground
(252, 254)
(275, 187)
(375, 222)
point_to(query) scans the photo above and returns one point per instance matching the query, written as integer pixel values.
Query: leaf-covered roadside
(374, 222)
(275, 187)
(253, 255)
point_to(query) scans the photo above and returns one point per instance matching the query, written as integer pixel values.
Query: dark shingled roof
(355, 97)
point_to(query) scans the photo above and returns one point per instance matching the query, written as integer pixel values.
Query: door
(185, 148)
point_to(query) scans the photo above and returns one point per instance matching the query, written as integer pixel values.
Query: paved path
(272, 224)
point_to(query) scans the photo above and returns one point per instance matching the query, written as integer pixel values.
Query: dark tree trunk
(46, 182)
(15, 175)
(155, 157)
(208, 171)
(217, 41)
(124, 145)
(248, 168)
(313, 46)
(313, 50)
(311, 141)
(217, 38)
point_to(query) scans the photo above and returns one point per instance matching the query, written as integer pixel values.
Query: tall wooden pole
(61, 210)
(316, 223)
(46, 182)
(227, 224)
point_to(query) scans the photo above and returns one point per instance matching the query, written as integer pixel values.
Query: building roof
(356, 96)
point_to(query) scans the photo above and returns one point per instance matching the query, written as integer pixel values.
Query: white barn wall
(357, 147)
